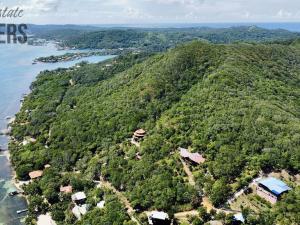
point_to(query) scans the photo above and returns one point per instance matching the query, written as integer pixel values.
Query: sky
(153, 11)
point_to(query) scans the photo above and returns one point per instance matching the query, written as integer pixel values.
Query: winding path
(188, 173)
(184, 215)
(122, 198)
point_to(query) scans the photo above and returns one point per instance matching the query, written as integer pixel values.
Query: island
(79, 55)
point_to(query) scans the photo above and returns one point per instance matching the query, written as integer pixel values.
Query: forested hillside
(237, 104)
(155, 39)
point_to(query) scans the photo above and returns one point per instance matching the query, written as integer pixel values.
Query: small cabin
(194, 158)
(271, 189)
(139, 135)
(79, 211)
(66, 189)
(79, 198)
(45, 219)
(35, 174)
(28, 140)
(238, 219)
(101, 204)
(158, 218)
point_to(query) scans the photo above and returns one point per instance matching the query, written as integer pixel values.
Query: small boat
(22, 211)
(13, 193)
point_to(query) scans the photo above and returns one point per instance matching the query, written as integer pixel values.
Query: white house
(79, 211)
(79, 197)
(101, 204)
(158, 218)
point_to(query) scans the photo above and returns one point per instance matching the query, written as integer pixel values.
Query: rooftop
(140, 132)
(66, 189)
(78, 196)
(79, 210)
(159, 215)
(274, 185)
(101, 204)
(195, 157)
(45, 220)
(239, 217)
(35, 174)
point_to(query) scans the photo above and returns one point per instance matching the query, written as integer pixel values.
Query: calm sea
(16, 75)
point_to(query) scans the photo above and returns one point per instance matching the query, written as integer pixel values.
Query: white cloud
(284, 14)
(39, 7)
(46, 5)
(182, 2)
(133, 13)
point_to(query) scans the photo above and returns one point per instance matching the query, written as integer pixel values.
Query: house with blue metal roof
(271, 189)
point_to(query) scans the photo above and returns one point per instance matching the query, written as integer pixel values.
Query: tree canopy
(236, 104)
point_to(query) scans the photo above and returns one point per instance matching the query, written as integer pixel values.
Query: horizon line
(169, 23)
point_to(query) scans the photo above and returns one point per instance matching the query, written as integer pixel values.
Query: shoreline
(14, 181)
(21, 201)
(6, 153)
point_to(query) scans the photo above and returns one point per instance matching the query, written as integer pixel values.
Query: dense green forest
(237, 104)
(158, 39)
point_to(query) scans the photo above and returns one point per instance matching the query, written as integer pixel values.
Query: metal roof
(195, 157)
(101, 204)
(159, 215)
(274, 185)
(239, 217)
(78, 196)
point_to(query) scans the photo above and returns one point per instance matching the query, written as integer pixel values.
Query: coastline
(16, 81)
(14, 181)
(17, 183)
(10, 204)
